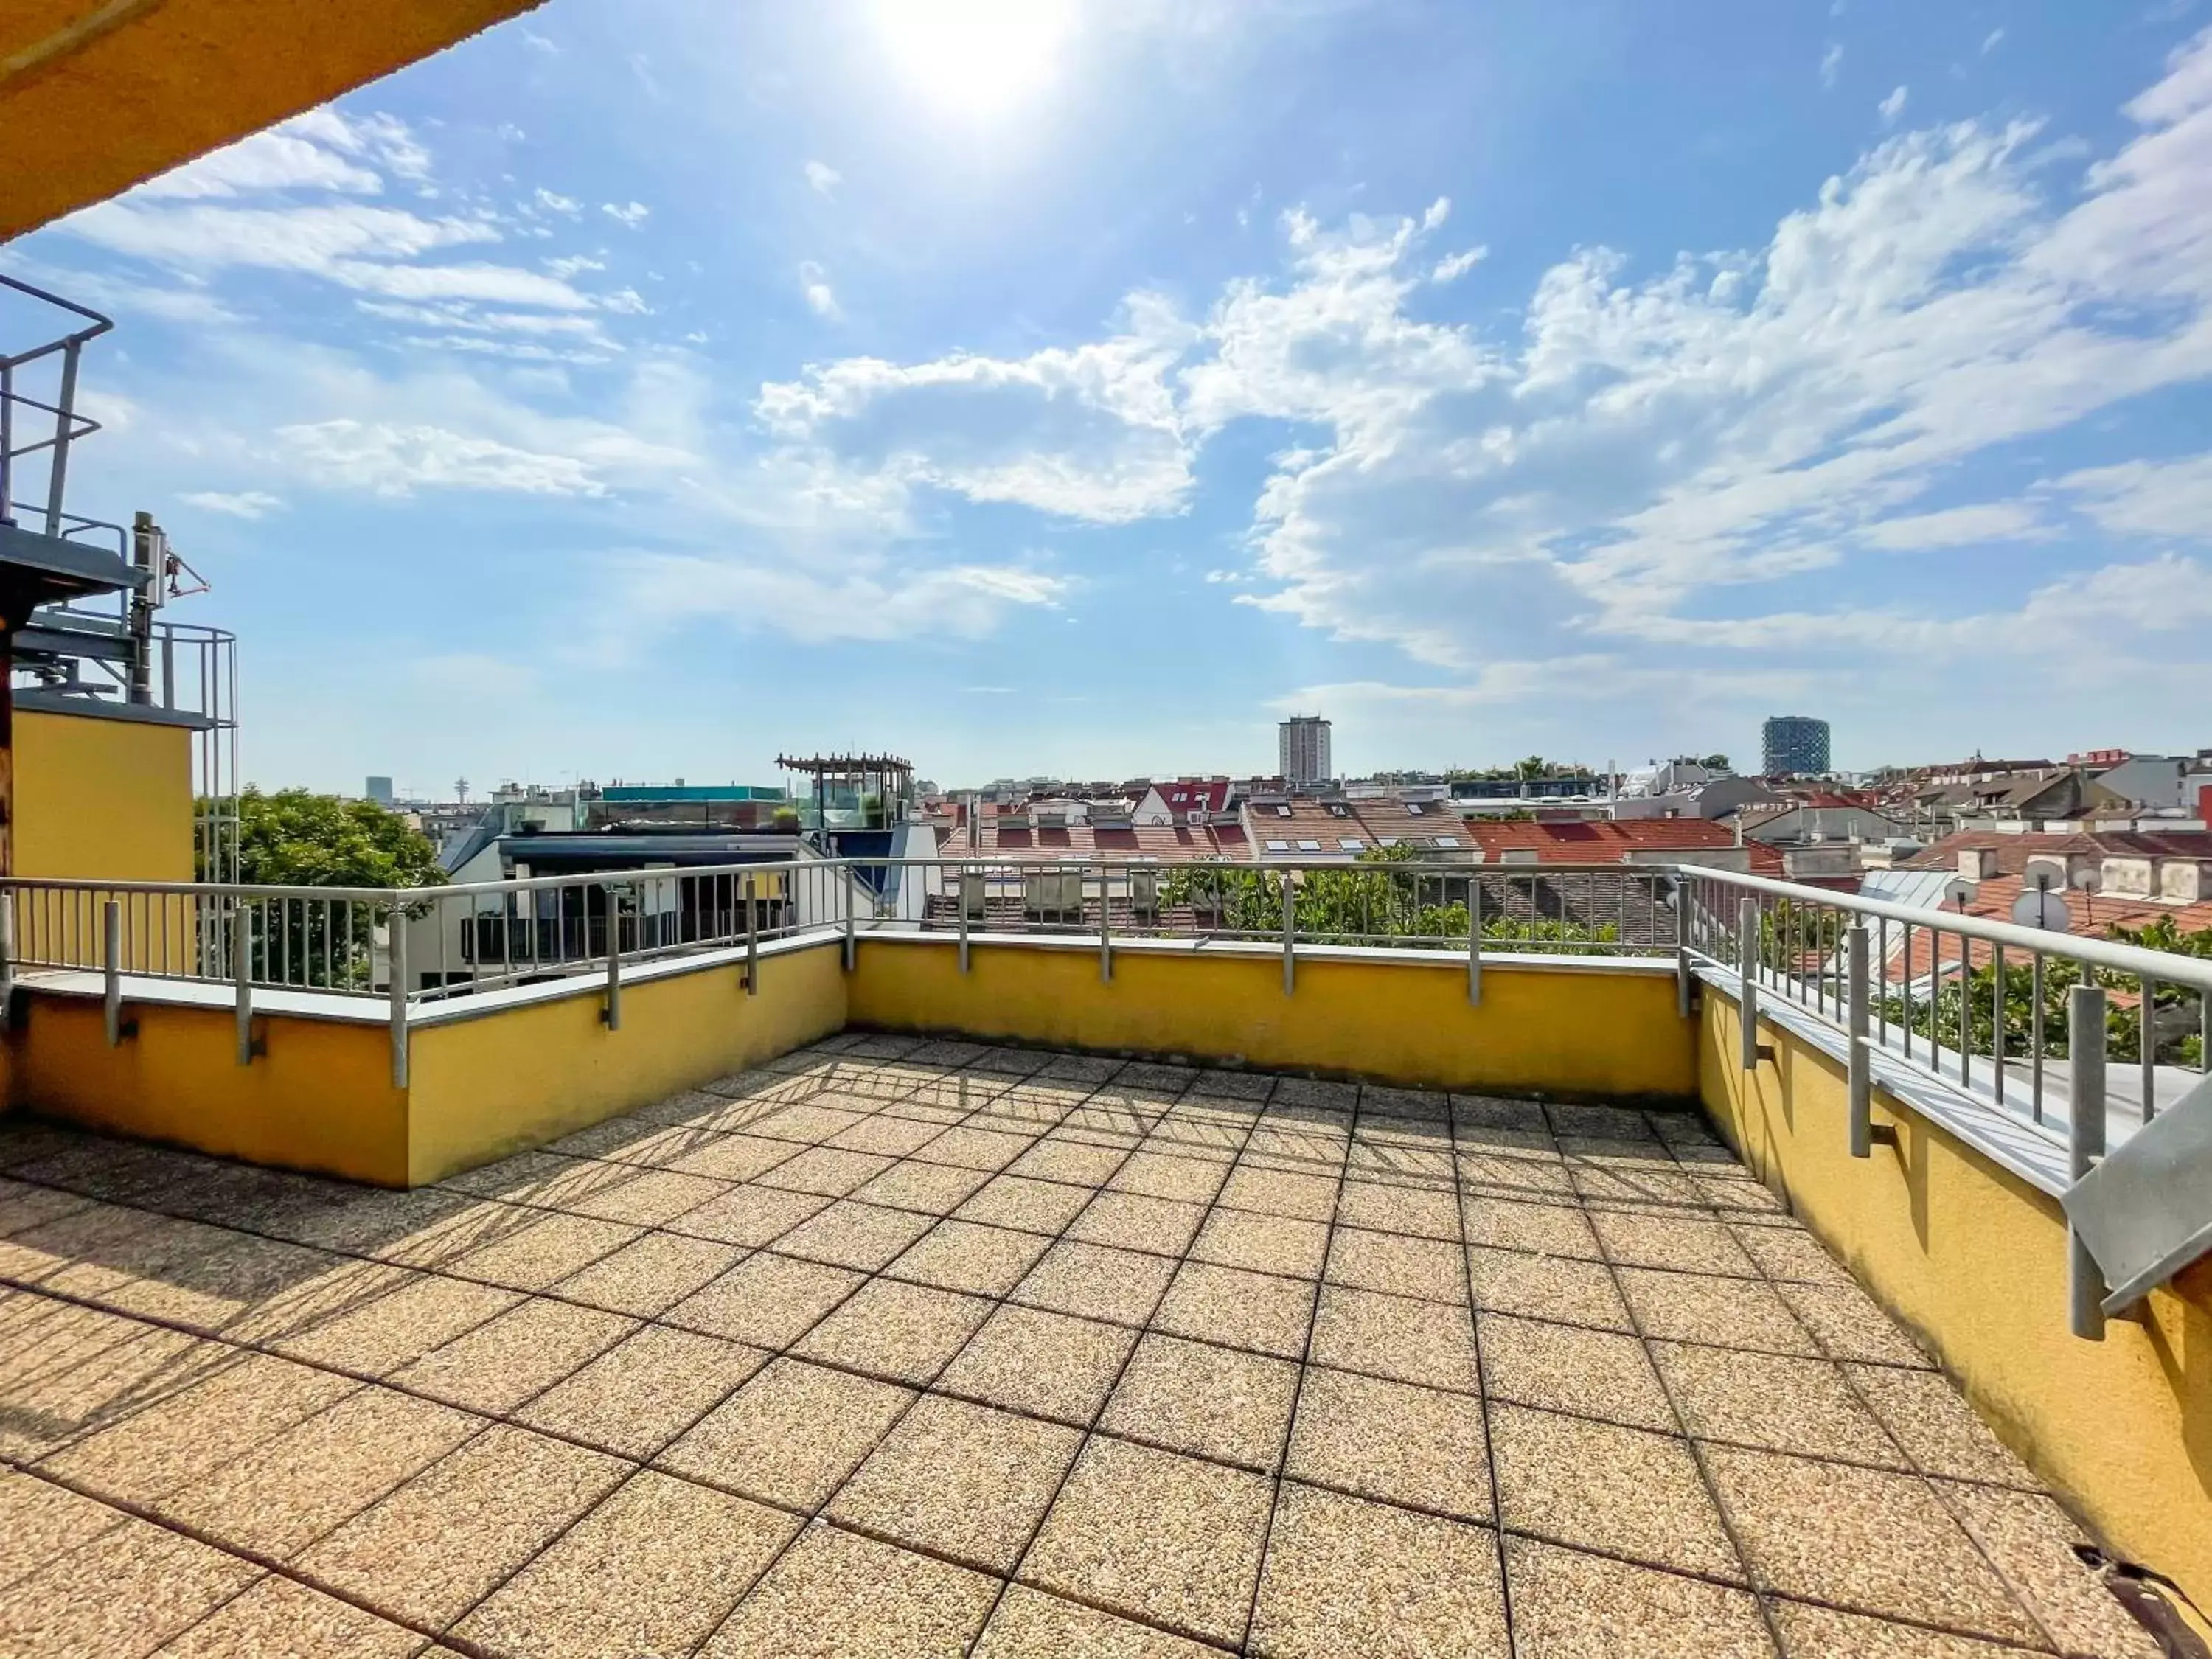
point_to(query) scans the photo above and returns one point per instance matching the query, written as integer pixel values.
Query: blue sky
(1076, 388)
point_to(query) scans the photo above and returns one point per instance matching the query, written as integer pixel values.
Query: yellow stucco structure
(102, 798)
(1974, 1261)
(97, 95)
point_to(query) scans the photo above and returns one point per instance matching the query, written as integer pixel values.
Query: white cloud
(1831, 64)
(1453, 266)
(2148, 498)
(388, 460)
(386, 140)
(1893, 107)
(630, 214)
(814, 283)
(268, 160)
(872, 601)
(573, 265)
(1956, 526)
(1439, 211)
(1989, 41)
(244, 504)
(822, 178)
(537, 42)
(554, 202)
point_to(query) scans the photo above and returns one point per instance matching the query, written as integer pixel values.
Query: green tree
(295, 838)
(1715, 763)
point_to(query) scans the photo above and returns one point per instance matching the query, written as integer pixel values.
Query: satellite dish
(1960, 891)
(2087, 880)
(2041, 908)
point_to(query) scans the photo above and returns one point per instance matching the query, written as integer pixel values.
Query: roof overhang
(96, 95)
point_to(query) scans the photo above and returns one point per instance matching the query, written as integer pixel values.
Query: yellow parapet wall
(1974, 1260)
(1590, 1028)
(483, 1082)
(102, 798)
(97, 95)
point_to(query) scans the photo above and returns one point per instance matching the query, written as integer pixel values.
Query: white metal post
(1105, 928)
(1475, 940)
(2085, 1112)
(1290, 935)
(1860, 1067)
(1746, 930)
(1682, 946)
(242, 968)
(397, 976)
(752, 942)
(962, 908)
(849, 944)
(612, 1012)
(111, 961)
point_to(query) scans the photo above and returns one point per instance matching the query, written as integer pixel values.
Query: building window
(1310, 847)
(1278, 846)
(1352, 844)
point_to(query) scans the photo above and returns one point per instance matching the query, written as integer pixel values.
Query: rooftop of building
(897, 1346)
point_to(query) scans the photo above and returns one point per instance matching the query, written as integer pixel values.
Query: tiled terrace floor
(889, 1349)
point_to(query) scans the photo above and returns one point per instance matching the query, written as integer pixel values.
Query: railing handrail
(2167, 967)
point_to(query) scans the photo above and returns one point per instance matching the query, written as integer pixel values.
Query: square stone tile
(906, 1333)
(290, 1491)
(1223, 1403)
(851, 1234)
(892, 1137)
(1522, 1225)
(791, 1436)
(67, 1371)
(1277, 1192)
(1567, 1604)
(965, 1255)
(277, 1618)
(650, 1275)
(1867, 1539)
(198, 1430)
(122, 1594)
(1936, 1427)
(1261, 1242)
(651, 1198)
(1848, 1323)
(41, 1522)
(495, 1367)
(1263, 1312)
(2030, 1541)
(1598, 1121)
(1096, 1282)
(1399, 1162)
(1050, 1364)
(1031, 1625)
(1572, 1368)
(1079, 1162)
(768, 1300)
(837, 1596)
(649, 1574)
(1345, 1576)
(1132, 1221)
(1323, 1093)
(439, 1544)
(1036, 1206)
(1186, 1174)
(544, 1252)
(1727, 1313)
(1515, 1173)
(734, 1157)
(642, 1394)
(1790, 1253)
(1424, 1448)
(201, 1277)
(23, 1207)
(1475, 1113)
(1414, 1341)
(1425, 1212)
(826, 1170)
(750, 1216)
(1301, 1143)
(1170, 1540)
(1811, 1632)
(808, 1122)
(928, 1188)
(1690, 1244)
(1609, 1488)
(967, 1147)
(960, 1480)
(1398, 1263)
(630, 1139)
(1801, 1406)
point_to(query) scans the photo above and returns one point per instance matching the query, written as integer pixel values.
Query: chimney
(2205, 805)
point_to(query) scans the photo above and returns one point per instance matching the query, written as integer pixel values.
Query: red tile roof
(2013, 852)
(1610, 841)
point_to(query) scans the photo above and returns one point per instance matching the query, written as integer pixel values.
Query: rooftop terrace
(895, 1346)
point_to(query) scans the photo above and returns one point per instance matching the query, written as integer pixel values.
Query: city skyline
(640, 395)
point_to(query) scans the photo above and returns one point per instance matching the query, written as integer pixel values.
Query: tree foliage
(295, 838)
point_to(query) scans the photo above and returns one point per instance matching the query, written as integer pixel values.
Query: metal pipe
(1860, 1066)
(1473, 941)
(1682, 947)
(395, 974)
(850, 946)
(1290, 935)
(111, 960)
(1747, 952)
(2085, 1046)
(1105, 929)
(241, 968)
(962, 908)
(752, 941)
(2037, 992)
(612, 1013)
(2147, 1046)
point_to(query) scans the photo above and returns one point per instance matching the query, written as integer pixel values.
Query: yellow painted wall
(99, 797)
(1974, 1261)
(320, 1098)
(483, 1087)
(1579, 1033)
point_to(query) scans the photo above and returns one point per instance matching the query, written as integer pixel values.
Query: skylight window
(1352, 844)
(1278, 846)
(1415, 808)
(1283, 811)
(1447, 840)
(1310, 847)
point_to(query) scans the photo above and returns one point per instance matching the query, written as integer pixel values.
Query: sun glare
(976, 58)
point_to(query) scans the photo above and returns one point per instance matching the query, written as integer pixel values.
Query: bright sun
(974, 57)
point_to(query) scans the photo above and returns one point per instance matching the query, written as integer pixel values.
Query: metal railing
(58, 422)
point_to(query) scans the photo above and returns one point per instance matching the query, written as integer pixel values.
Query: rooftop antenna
(461, 790)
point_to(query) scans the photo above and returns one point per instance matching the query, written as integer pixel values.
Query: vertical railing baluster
(1859, 1065)
(2085, 1111)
